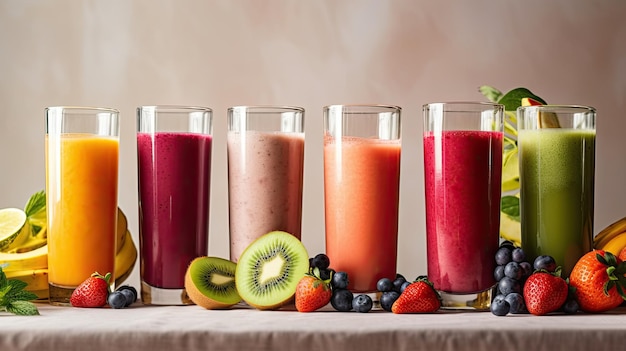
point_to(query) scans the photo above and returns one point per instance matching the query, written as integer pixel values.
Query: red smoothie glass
(265, 146)
(463, 176)
(174, 171)
(361, 191)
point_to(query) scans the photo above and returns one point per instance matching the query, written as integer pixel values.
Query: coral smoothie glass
(361, 191)
(174, 169)
(463, 175)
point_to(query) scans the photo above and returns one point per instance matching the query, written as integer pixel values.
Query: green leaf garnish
(35, 210)
(513, 99)
(14, 299)
(510, 206)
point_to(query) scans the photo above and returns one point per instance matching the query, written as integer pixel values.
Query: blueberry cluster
(511, 271)
(391, 290)
(122, 297)
(342, 299)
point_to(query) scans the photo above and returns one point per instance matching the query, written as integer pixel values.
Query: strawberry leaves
(615, 272)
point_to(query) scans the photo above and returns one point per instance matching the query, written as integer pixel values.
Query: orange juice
(361, 184)
(81, 190)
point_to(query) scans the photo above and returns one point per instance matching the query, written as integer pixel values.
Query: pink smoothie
(265, 172)
(174, 178)
(463, 186)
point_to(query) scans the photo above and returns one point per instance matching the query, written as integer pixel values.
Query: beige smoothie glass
(265, 146)
(82, 155)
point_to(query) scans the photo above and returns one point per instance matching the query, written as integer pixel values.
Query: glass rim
(464, 103)
(174, 108)
(266, 108)
(356, 107)
(82, 108)
(556, 108)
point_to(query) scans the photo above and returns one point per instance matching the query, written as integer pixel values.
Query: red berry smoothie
(463, 171)
(174, 179)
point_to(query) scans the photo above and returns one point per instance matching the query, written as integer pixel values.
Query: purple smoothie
(174, 179)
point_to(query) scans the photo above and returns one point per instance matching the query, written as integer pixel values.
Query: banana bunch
(29, 261)
(612, 238)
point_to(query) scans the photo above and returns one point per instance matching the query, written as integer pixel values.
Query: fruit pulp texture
(557, 193)
(81, 195)
(462, 171)
(174, 180)
(265, 172)
(361, 188)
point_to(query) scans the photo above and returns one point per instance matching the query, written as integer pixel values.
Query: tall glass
(174, 169)
(265, 147)
(462, 175)
(361, 191)
(557, 166)
(82, 156)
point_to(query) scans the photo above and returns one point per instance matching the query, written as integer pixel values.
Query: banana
(616, 244)
(608, 233)
(125, 259)
(37, 279)
(122, 227)
(35, 259)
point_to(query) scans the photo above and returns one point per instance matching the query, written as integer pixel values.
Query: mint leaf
(36, 203)
(3, 279)
(22, 308)
(513, 99)
(510, 206)
(492, 94)
(16, 285)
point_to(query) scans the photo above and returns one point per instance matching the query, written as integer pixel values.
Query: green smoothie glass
(557, 165)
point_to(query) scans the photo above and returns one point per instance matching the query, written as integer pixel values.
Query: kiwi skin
(197, 296)
(243, 271)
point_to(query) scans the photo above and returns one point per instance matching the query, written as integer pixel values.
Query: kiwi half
(269, 270)
(210, 282)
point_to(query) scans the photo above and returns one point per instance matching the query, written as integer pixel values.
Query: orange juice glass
(82, 151)
(361, 191)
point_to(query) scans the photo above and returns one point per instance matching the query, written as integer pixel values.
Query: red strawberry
(598, 278)
(544, 292)
(93, 292)
(418, 297)
(312, 294)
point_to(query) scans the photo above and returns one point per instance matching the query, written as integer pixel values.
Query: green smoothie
(556, 188)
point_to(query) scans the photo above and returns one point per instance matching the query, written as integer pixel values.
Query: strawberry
(93, 292)
(418, 297)
(598, 278)
(312, 293)
(545, 292)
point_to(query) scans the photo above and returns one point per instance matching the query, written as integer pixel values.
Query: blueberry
(516, 303)
(130, 293)
(397, 283)
(518, 255)
(340, 280)
(500, 307)
(325, 274)
(507, 243)
(503, 256)
(513, 270)
(570, 306)
(545, 262)
(398, 275)
(498, 297)
(384, 284)
(527, 269)
(116, 299)
(320, 261)
(404, 286)
(362, 303)
(498, 273)
(341, 300)
(508, 285)
(387, 299)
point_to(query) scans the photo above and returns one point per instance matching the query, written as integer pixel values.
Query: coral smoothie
(361, 191)
(174, 179)
(265, 173)
(462, 171)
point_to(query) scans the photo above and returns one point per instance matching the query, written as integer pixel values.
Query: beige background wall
(123, 54)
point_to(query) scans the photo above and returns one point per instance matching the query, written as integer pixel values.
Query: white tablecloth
(194, 328)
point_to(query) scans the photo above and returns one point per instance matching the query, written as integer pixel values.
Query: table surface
(140, 327)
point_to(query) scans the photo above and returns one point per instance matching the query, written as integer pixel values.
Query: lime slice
(13, 228)
(510, 229)
(510, 171)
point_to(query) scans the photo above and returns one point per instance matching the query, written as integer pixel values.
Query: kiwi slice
(210, 282)
(269, 270)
